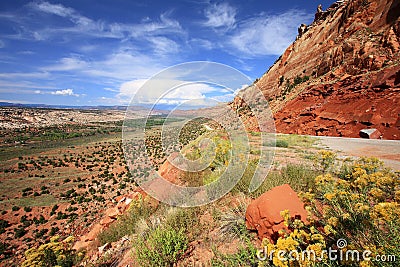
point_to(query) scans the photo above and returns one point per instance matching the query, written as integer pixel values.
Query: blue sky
(98, 52)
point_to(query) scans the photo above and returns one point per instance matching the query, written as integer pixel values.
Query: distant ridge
(116, 107)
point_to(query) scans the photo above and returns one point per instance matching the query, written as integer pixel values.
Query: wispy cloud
(267, 34)
(67, 64)
(19, 75)
(163, 46)
(65, 12)
(83, 25)
(220, 16)
(55, 9)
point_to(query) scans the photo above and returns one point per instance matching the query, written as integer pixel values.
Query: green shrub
(299, 177)
(19, 232)
(126, 223)
(278, 143)
(182, 218)
(27, 209)
(246, 256)
(281, 143)
(163, 247)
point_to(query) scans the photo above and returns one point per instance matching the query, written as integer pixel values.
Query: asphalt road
(386, 150)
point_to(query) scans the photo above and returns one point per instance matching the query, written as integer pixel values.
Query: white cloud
(163, 46)
(220, 16)
(171, 92)
(129, 89)
(202, 43)
(121, 65)
(66, 64)
(65, 12)
(65, 92)
(54, 9)
(102, 29)
(268, 34)
(19, 75)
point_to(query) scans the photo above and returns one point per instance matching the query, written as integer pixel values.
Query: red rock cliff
(342, 73)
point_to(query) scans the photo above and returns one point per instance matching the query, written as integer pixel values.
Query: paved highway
(386, 150)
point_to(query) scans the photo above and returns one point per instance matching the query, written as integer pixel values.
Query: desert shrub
(126, 223)
(246, 256)
(299, 177)
(278, 143)
(184, 219)
(54, 253)
(163, 247)
(281, 143)
(27, 209)
(5, 250)
(363, 207)
(3, 225)
(232, 221)
(255, 152)
(325, 160)
(292, 140)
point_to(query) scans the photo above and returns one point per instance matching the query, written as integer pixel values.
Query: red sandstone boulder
(113, 212)
(263, 213)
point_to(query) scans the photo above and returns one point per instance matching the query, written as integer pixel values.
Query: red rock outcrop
(109, 217)
(264, 213)
(342, 74)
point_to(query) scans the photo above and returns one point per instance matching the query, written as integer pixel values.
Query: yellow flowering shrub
(54, 253)
(288, 249)
(361, 205)
(325, 160)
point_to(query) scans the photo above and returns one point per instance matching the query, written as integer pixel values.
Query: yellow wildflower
(328, 229)
(286, 217)
(317, 249)
(365, 263)
(346, 216)
(377, 193)
(318, 238)
(361, 208)
(333, 221)
(343, 183)
(324, 179)
(384, 180)
(330, 196)
(387, 211)
(298, 224)
(397, 196)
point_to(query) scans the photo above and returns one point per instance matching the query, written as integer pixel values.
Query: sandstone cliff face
(342, 73)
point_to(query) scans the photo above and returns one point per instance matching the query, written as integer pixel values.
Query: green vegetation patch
(39, 201)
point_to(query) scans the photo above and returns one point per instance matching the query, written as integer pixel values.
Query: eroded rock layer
(342, 73)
